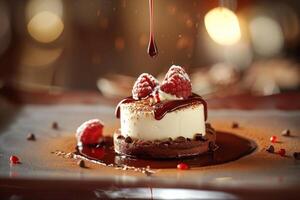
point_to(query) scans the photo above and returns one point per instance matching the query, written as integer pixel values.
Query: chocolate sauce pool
(162, 108)
(231, 147)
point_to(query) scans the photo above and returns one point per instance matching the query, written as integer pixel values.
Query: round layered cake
(163, 120)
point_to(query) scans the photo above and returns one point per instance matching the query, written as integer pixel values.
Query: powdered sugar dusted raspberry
(175, 69)
(90, 132)
(177, 82)
(144, 86)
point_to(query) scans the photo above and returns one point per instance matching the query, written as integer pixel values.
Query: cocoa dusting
(63, 154)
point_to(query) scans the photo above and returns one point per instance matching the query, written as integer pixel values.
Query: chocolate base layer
(166, 148)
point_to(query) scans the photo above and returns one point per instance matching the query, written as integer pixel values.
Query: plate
(41, 169)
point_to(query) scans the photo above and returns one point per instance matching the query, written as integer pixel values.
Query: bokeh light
(222, 26)
(267, 36)
(240, 55)
(45, 26)
(184, 42)
(34, 56)
(119, 43)
(222, 73)
(217, 43)
(35, 6)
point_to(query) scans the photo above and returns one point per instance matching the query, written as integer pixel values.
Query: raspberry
(177, 82)
(144, 86)
(174, 69)
(90, 132)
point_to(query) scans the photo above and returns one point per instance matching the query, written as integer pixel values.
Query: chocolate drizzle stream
(162, 108)
(126, 100)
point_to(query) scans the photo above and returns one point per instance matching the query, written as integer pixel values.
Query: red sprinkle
(281, 152)
(182, 166)
(273, 139)
(14, 160)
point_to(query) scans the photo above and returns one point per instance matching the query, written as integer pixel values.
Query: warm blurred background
(228, 47)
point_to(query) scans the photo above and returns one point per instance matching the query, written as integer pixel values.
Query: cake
(163, 120)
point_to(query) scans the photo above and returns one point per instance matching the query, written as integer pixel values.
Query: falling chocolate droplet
(152, 48)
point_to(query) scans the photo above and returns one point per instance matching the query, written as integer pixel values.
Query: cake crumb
(31, 137)
(235, 125)
(286, 132)
(296, 155)
(55, 125)
(81, 163)
(270, 149)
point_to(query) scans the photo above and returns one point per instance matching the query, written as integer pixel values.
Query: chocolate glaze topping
(163, 107)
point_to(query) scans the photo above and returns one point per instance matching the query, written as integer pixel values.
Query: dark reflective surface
(161, 193)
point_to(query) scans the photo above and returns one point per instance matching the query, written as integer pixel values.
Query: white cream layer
(184, 122)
